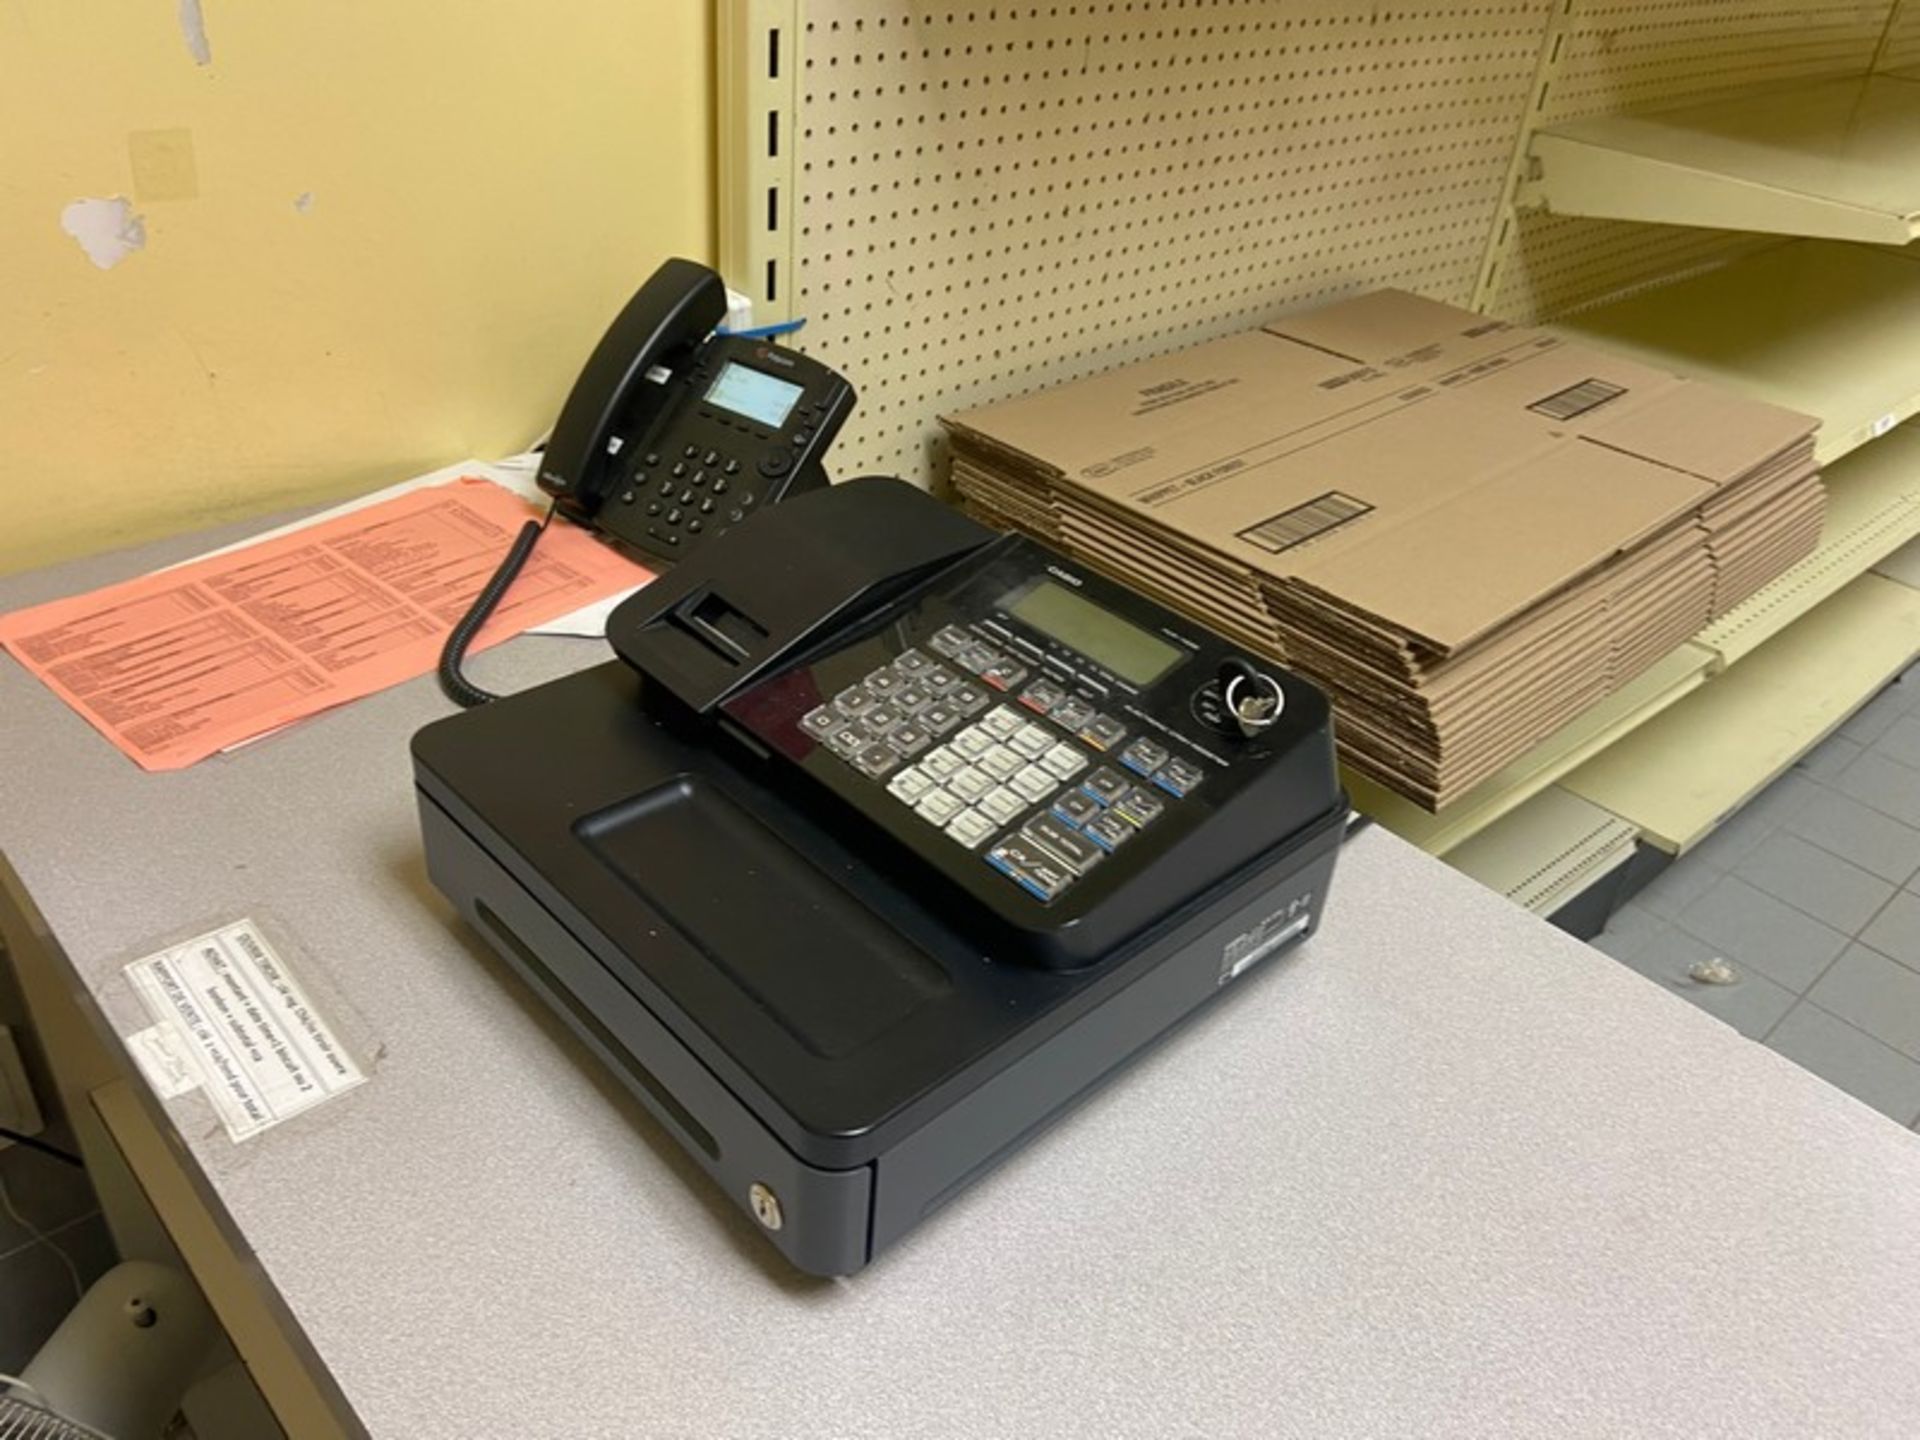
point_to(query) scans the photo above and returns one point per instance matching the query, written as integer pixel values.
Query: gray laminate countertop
(1444, 1171)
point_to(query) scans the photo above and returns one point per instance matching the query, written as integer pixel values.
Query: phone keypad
(696, 491)
(1022, 781)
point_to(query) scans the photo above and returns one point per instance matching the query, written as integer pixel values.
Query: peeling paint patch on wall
(193, 25)
(107, 230)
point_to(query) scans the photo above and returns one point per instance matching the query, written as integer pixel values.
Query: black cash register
(885, 840)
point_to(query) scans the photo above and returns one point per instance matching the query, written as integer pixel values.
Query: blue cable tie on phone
(766, 332)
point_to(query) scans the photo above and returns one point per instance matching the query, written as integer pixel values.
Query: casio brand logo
(1066, 575)
(773, 357)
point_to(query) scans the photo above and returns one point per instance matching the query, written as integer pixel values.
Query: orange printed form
(177, 665)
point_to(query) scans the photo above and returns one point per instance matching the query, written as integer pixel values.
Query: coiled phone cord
(461, 690)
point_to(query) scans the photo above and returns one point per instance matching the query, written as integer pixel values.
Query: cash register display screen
(754, 394)
(1135, 655)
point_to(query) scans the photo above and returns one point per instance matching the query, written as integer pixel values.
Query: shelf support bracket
(1500, 237)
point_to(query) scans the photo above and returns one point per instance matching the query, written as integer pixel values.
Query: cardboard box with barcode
(1467, 531)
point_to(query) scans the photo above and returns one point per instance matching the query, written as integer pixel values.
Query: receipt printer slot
(730, 634)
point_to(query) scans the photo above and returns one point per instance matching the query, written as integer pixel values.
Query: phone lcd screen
(754, 394)
(1135, 655)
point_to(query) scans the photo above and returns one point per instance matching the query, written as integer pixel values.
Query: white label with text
(231, 1013)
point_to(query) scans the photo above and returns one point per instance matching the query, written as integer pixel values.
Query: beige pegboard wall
(993, 198)
(1611, 56)
(984, 199)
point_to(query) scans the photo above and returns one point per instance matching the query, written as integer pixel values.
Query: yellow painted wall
(488, 180)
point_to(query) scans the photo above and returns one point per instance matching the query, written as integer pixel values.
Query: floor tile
(1753, 822)
(1878, 995)
(1808, 878)
(46, 1191)
(1876, 717)
(1628, 928)
(1877, 843)
(1850, 1059)
(1757, 932)
(1829, 758)
(1678, 886)
(1884, 784)
(89, 1244)
(1907, 686)
(1752, 1005)
(1902, 741)
(39, 1291)
(1895, 931)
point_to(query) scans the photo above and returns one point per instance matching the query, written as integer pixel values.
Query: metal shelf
(1817, 326)
(1903, 565)
(1548, 851)
(1837, 160)
(1677, 776)
(1663, 684)
(1873, 508)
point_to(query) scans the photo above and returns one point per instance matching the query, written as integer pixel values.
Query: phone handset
(620, 392)
(616, 398)
(672, 436)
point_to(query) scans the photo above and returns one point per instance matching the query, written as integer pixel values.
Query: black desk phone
(671, 436)
(892, 838)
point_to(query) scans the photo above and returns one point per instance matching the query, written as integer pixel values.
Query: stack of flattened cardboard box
(1467, 532)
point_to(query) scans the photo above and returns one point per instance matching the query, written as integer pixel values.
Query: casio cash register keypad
(1045, 790)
